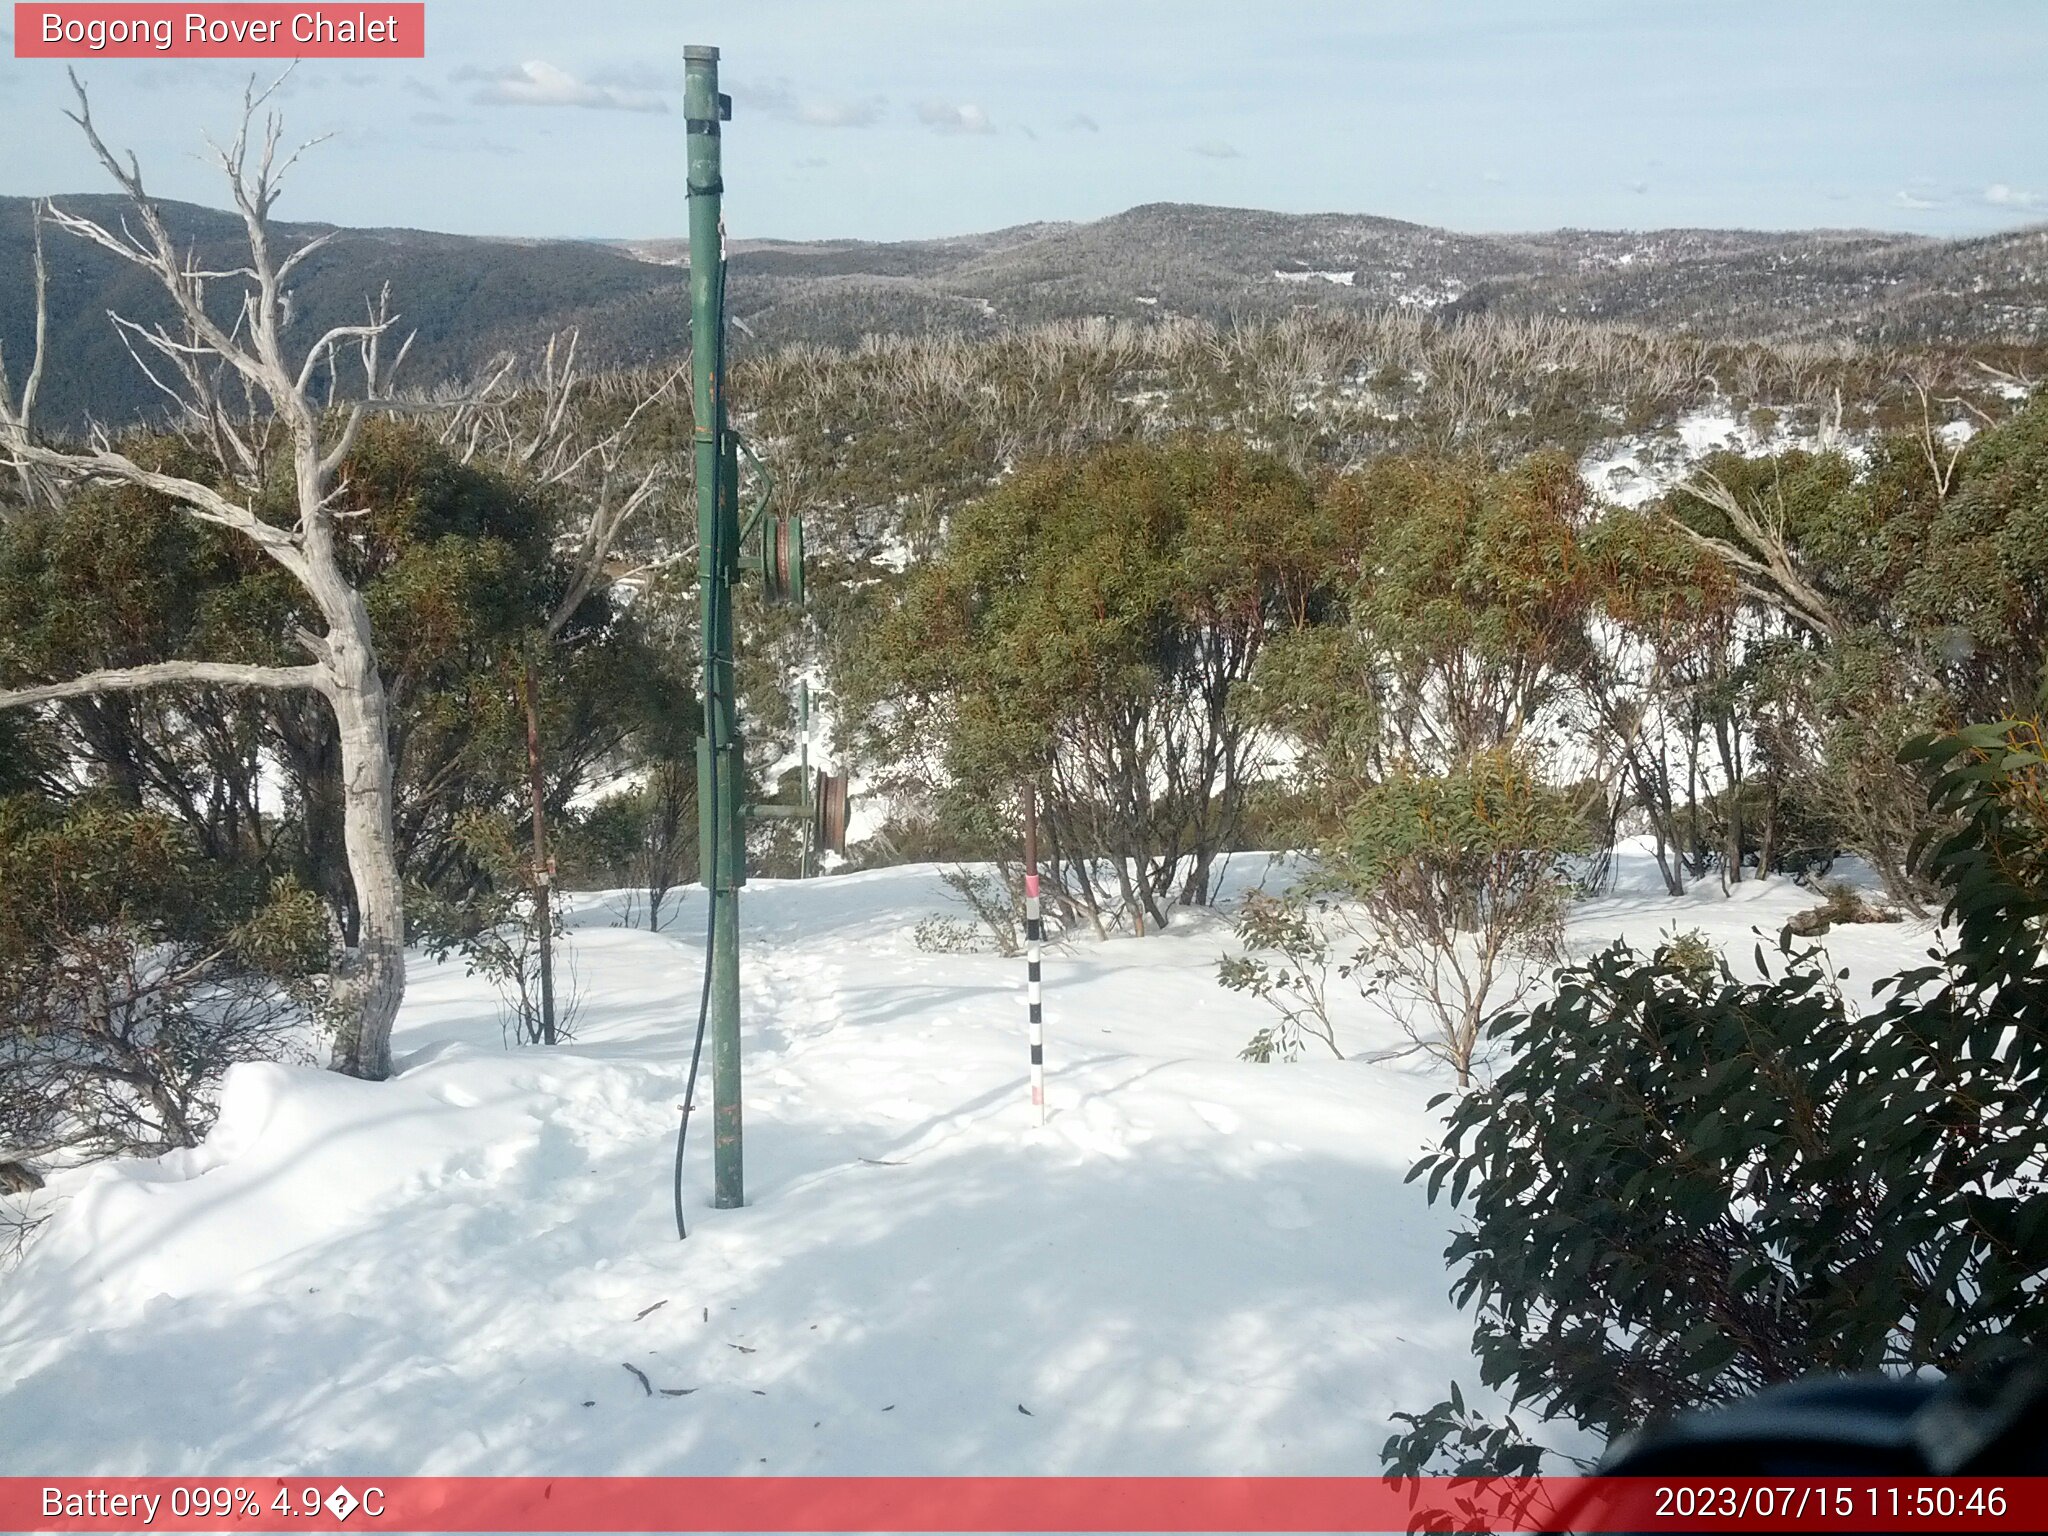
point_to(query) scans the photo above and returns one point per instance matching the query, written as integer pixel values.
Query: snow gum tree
(1916, 587)
(1442, 899)
(1419, 699)
(1666, 618)
(1087, 629)
(1457, 618)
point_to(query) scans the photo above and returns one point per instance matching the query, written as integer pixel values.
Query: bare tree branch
(219, 674)
(1763, 557)
(1931, 444)
(200, 501)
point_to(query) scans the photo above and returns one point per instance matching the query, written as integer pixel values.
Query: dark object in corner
(1994, 1422)
(19, 1179)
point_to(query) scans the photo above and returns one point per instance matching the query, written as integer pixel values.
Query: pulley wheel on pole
(782, 558)
(829, 800)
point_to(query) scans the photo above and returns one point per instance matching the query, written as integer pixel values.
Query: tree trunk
(1728, 741)
(1669, 868)
(371, 981)
(543, 866)
(1769, 853)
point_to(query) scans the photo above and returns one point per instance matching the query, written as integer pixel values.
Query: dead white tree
(1760, 554)
(16, 411)
(239, 394)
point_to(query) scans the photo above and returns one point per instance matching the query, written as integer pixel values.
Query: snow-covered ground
(1198, 1265)
(1637, 469)
(1345, 279)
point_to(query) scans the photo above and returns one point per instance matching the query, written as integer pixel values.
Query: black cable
(710, 770)
(703, 1004)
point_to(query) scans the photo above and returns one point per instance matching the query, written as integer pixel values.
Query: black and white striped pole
(1034, 946)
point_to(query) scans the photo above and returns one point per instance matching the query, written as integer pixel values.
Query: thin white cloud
(638, 77)
(1915, 202)
(948, 117)
(1215, 149)
(538, 83)
(842, 114)
(780, 100)
(1999, 195)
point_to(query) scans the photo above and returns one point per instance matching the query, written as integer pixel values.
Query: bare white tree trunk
(372, 980)
(236, 389)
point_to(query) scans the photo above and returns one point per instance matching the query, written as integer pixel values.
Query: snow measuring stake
(1034, 947)
(722, 813)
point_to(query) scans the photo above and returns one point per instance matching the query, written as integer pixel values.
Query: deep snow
(1199, 1265)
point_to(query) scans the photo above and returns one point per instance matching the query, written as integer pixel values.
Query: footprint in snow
(1106, 1140)
(1220, 1120)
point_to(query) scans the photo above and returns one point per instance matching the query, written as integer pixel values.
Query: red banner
(216, 31)
(979, 1504)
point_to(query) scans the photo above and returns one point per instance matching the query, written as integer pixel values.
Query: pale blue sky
(886, 119)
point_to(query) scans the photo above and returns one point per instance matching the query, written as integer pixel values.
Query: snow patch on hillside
(1635, 469)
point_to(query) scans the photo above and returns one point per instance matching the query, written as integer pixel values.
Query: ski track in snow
(1198, 1265)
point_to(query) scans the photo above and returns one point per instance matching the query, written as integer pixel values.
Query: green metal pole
(719, 761)
(803, 771)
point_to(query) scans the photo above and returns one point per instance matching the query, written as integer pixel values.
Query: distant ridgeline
(470, 299)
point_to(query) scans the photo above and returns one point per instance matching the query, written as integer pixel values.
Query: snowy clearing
(1200, 1265)
(1343, 279)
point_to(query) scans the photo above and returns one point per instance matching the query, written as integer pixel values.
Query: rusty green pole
(719, 761)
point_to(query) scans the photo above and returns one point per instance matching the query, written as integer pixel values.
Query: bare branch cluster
(541, 427)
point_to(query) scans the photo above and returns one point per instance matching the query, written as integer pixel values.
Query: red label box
(365, 29)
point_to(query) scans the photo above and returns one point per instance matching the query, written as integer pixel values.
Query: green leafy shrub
(133, 973)
(1678, 1193)
(939, 934)
(497, 930)
(1444, 897)
(1287, 966)
(1086, 630)
(1692, 953)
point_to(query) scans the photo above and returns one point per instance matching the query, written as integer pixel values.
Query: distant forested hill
(470, 299)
